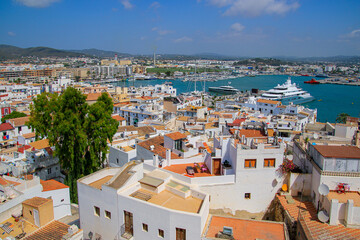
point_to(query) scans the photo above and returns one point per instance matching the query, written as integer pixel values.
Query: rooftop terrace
(170, 200)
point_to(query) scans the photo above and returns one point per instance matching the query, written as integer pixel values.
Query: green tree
(41, 114)
(78, 131)
(341, 117)
(13, 114)
(100, 127)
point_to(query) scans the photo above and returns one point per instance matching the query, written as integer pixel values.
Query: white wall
(61, 202)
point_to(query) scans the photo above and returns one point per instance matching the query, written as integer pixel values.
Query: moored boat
(312, 81)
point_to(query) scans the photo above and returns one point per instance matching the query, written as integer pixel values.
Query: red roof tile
(329, 151)
(247, 229)
(5, 127)
(22, 149)
(176, 135)
(314, 228)
(118, 118)
(55, 230)
(52, 184)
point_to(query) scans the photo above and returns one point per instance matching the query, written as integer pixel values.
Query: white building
(142, 202)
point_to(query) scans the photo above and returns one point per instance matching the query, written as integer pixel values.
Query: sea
(330, 99)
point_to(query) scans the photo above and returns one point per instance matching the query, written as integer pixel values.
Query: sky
(247, 28)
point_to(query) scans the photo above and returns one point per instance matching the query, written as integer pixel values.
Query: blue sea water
(330, 100)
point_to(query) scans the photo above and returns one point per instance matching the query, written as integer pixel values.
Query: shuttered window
(250, 163)
(269, 162)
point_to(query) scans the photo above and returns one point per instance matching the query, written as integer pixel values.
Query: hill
(12, 52)
(101, 53)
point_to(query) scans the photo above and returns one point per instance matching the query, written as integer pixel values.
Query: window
(49, 170)
(108, 214)
(180, 234)
(250, 163)
(145, 227)
(161, 233)
(97, 211)
(62, 200)
(269, 162)
(247, 195)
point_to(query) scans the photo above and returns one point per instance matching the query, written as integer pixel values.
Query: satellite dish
(315, 136)
(323, 217)
(274, 182)
(323, 189)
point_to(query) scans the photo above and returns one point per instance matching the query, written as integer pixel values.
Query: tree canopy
(13, 114)
(341, 117)
(78, 131)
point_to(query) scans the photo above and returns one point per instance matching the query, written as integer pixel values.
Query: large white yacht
(288, 93)
(224, 90)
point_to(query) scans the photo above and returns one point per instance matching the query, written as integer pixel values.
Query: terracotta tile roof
(36, 201)
(227, 116)
(5, 127)
(16, 122)
(5, 182)
(281, 106)
(29, 135)
(317, 229)
(118, 118)
(94, 96)
(55, 230)
(51, 185)
(142, 131)
(176, 135)
(22, 149)
(251, 133)
(159, 149)
(247, 229)
(182, 118)
(41, 144)
(268, 101)
(329, 151)
(159, 127)
(127, 128)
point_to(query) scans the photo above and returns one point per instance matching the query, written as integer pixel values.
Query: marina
(340, 97)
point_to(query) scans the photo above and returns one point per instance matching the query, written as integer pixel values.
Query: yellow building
(116, 62)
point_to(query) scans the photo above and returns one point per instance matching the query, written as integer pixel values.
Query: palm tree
(341, 117)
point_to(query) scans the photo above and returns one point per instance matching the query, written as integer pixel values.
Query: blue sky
(255, 28)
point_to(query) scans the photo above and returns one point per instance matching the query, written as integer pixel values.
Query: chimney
(168, 157)
(156, 160)
(152, 147)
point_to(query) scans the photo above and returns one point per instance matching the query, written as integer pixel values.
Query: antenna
(323, 217)
(155, 47)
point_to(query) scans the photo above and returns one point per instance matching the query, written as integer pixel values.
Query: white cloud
(127, 4)
(155, 5)
(254, 8)
(37, 3)
(161, 32)
(183, 39)
(355, 33)
(12, 34)
(237, 27)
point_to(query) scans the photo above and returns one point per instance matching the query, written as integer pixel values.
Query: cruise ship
(288, 93)
(224, 90)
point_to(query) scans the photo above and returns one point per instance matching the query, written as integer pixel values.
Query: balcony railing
(126, 234)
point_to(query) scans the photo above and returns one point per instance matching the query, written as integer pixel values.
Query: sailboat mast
(195, 77)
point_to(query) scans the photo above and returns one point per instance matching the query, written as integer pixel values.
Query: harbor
(336, 97)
